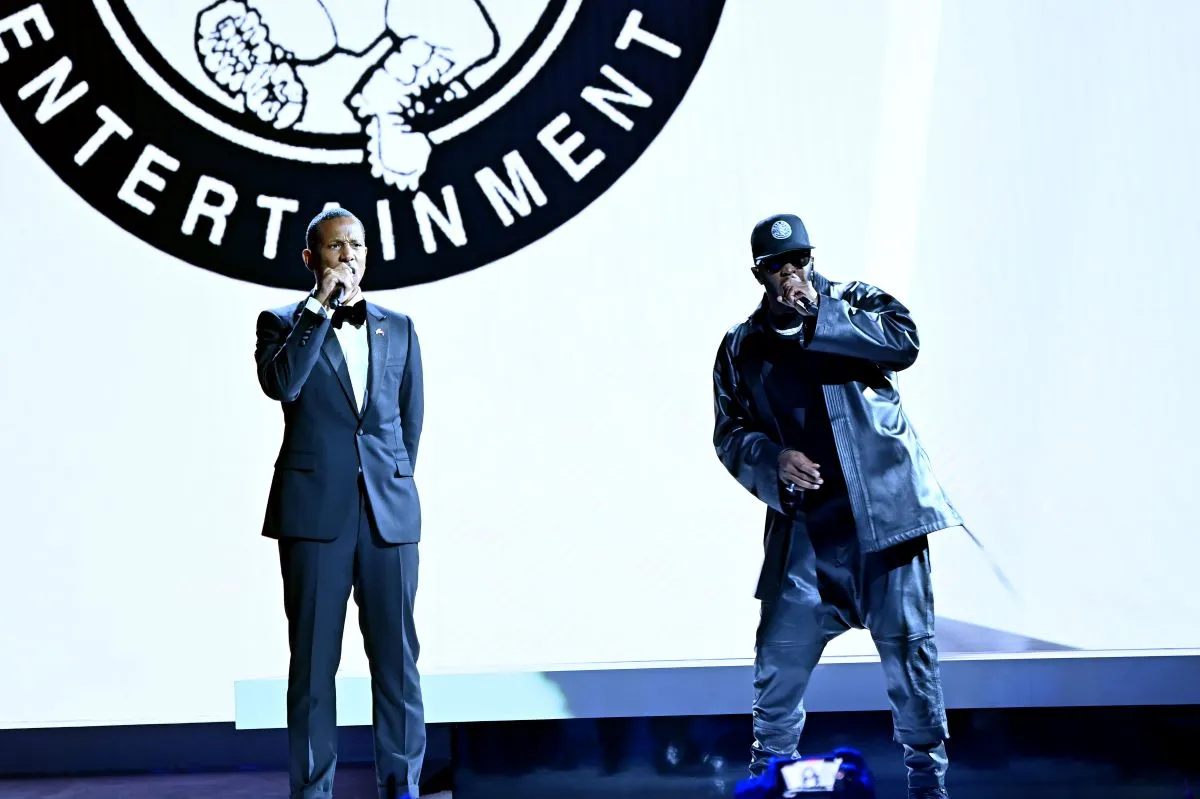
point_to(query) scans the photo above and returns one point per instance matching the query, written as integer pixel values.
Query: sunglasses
(776, 262)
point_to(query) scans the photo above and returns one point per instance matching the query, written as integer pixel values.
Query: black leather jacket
(892, 488)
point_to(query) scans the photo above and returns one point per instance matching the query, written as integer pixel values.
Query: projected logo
(459, 130)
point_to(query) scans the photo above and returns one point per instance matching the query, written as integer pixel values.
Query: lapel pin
(379, 331)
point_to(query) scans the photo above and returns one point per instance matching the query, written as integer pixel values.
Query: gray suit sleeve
(412, 396)
(285, 357)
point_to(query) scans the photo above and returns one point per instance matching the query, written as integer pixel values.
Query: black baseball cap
(776, 235)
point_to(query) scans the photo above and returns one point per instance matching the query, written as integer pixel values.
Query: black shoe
(928, 793)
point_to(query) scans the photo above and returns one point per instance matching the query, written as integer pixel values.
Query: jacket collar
(373, 310)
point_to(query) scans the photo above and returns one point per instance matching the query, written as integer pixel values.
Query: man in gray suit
(344, 507)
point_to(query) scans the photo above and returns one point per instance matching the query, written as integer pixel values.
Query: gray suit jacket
(326, 440)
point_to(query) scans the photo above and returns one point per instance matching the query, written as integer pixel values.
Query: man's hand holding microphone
(338, 286)
(797, 291)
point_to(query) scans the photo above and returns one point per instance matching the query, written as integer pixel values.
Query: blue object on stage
(843, 773)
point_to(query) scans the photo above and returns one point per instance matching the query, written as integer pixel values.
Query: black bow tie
(355, 314)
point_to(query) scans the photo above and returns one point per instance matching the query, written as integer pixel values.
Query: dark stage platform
(1064, 753)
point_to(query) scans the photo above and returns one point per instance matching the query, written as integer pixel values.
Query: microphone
(800, 303)
(804, 306)
(335, 299)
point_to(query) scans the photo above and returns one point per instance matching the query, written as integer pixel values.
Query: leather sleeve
(746, 451)
(866, 322)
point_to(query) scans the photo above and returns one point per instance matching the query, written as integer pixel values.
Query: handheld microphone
(800, 303)
(335, 299)
(804, 306)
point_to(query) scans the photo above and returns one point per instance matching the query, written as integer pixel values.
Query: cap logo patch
(781, 229)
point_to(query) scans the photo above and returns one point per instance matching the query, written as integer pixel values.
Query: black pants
(829, 587)
(317, 580)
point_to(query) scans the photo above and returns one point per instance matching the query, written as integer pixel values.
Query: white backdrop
(1021, 174)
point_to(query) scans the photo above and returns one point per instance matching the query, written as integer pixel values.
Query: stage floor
(352, 783)
(1056, 753)
(1078, 783)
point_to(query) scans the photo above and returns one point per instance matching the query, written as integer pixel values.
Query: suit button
(359, 431)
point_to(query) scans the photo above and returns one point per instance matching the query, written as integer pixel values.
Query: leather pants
(830, 586)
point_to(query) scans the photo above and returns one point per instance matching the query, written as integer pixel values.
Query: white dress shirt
(355, 348)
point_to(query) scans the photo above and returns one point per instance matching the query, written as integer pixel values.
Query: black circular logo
(460, 131)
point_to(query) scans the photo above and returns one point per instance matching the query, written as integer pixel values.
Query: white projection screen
(1022, 175)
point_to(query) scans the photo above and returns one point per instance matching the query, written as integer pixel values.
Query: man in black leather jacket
(808, 419)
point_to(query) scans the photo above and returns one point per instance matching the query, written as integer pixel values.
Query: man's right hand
(331, 280)
(798, 292)
(795, 469)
